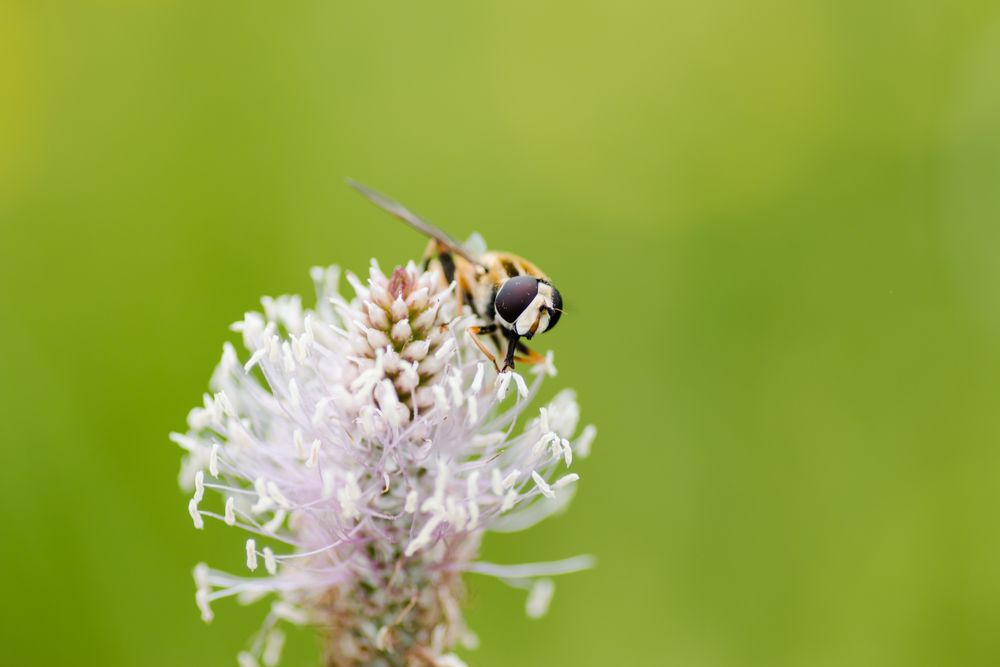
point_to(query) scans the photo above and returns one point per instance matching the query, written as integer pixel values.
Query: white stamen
(441, 481)
(244, 659)
(201, 599)
(290, 613)
(508, 500)
(469, 640)
(275, 522)
(230, 511)
(472, 410)
(255, 359)
(348, 497)
(446, 347)
(299, 442)
(225, 404)
(185, 442)
(486, 440)
(273, 646)
(199, 523)
(424, 536)
(313, 454)
(529, 570)
(472, 484)
(251, 554)
(543, 442)
(411, 502)
(567, 452)
(585, 441)
(388, 401)
(264, 502)
(547, 367)
(273, 349)
(299, 349)
(522, 388)
(238, 434)
(320, 412)
(213, 461)
(542, 485)
(449, 660)
(200, 573)
(229, 360)
(455, 383)
(457, 515)
(270, 563)
(477, 381)
(359, 289)
(199, 486)
(496, 482)
(409, 378)
(473, 509)
(432, 505)
(565, 480)
(501, 384)
(539, 598)
(367, 421)
(472, 490)
(329, 483)
(440, 398)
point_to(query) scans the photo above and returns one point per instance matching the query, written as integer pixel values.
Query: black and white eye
(556, 311)
(515, 295)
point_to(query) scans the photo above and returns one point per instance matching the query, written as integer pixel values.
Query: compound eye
(515, 295)
(556, 311)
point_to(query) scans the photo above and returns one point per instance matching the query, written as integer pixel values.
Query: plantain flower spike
(365, 448)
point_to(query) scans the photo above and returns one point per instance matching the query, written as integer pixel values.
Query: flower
(363, 448)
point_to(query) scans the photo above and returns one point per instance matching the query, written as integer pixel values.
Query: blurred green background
(777, 225)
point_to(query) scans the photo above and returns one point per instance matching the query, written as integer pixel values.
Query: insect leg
(512, 342)
(474, 333)
(528, 356)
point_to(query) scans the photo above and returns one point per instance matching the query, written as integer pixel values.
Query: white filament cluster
(362, 447)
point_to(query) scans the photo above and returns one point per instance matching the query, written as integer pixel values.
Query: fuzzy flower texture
(366, 446)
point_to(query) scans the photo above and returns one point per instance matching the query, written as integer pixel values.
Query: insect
(512, 296)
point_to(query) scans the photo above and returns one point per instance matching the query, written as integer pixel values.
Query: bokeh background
(777, 225)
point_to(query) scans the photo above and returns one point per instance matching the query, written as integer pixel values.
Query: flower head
(365, 451)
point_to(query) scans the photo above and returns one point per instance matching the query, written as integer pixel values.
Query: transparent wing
(475, 245)
(399, 211)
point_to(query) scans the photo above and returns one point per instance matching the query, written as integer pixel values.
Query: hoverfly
(512, 296)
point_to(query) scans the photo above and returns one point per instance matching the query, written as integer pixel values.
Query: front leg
(474, 333)
(512, 342)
